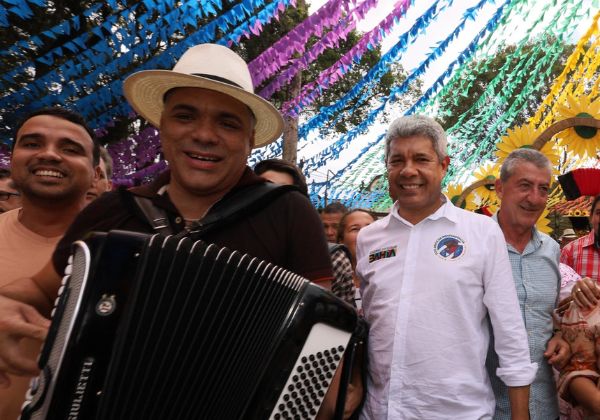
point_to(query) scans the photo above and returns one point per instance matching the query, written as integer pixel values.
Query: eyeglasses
(5, 195)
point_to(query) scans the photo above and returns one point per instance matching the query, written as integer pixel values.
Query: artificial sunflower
(489, 172)
(523, 137)
(543, 223)
(453, 192)
(580, 140)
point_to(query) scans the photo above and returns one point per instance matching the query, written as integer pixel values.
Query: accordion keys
(158, 327)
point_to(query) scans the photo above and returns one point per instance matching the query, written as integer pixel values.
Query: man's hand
(585, 293)
(17, 321)
(558, 351)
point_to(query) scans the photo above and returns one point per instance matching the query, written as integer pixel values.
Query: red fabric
(583, 257)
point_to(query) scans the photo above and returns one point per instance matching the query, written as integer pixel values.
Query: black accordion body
(155, 327)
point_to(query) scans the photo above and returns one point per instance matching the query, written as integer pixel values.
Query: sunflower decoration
(543, 223)
(487, 207)
(488, 172)
(523, 137)
(580, 139)
(453, 192)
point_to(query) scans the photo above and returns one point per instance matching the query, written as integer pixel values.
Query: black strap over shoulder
(242, 203)
(229, 209)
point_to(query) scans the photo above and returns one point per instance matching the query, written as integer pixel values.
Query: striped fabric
(583, 257)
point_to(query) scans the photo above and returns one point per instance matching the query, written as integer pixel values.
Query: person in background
(350, 224)
(567, 236)
(431, 276)
(331, 215)
(53, 159)
(103, 181)
(10, 198)
(583, 256)
(282, 172)
(523, 188)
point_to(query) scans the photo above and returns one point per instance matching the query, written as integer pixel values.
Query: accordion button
(64, 280)
(68, 270)
(61, 289)
(70, 260)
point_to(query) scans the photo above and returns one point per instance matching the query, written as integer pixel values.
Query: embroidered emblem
(382, 253)
(449, 247)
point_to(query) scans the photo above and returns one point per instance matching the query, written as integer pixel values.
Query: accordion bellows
(153, 327)
(584, 181)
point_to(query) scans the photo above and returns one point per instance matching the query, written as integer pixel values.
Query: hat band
(217, 79)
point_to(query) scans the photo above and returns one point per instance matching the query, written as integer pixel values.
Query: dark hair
(280, 165)
(342, 224)
(594, 204)
(4, 173)
(334, 207)
(65, 114)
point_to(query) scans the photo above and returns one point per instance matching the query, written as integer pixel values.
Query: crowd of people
(470, 316)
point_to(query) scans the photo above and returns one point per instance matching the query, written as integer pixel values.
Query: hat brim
(145, 91)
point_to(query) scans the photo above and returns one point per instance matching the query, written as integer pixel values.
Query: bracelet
(555, 330)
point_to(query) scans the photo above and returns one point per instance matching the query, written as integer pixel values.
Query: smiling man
(431, 274)
(209, 121)
(52, 165)
(523, 187)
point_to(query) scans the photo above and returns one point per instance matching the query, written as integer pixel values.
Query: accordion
(155, 327)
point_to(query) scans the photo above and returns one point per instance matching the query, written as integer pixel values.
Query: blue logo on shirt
(449, 247)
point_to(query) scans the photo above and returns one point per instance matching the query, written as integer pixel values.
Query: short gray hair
(523, 155)
(418, 125)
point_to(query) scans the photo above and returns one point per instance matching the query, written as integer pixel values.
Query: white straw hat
(207, 66)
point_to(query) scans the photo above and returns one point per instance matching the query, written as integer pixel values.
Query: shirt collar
(447, 210)
(536, 239)
(587, 240)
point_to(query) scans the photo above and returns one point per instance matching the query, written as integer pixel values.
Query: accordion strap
(239, 204)
(229, 209)
(156, 216)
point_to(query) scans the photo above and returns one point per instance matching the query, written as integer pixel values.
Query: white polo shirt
(427, 292)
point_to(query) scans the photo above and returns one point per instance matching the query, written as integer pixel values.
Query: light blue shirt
(537, 280)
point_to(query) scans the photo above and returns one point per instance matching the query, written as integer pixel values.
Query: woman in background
(350, 224)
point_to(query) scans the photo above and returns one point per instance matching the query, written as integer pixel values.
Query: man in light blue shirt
(523, 190)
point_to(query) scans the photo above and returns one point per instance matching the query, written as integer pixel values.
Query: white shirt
(427, 291)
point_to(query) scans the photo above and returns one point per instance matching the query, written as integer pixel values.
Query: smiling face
(206, 136)
(523, 196)
(52, 159)
(415, 175)
(353, 223)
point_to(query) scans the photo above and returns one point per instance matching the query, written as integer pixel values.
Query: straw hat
(568, 234)
(207, 66)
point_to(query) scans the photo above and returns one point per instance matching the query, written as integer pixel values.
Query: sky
(417, 51)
